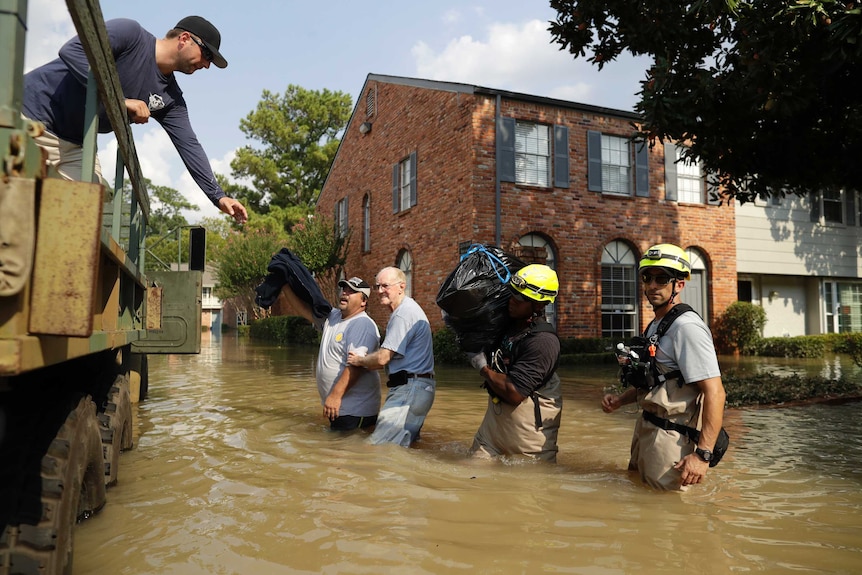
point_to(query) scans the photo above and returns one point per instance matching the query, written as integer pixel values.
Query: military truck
(78, 313)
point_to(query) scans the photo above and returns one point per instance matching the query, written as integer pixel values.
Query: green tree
(759, 90)
(241, 265)
(297, 135)
(322, 249)
(251, 199)
(165, 222)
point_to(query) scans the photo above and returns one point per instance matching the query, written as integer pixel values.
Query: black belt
(667, 425)
(400, 378)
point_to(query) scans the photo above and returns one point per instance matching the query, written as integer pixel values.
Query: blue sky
(270, 44)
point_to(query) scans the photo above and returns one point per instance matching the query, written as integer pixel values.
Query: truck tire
(73, 488)
(115, 425)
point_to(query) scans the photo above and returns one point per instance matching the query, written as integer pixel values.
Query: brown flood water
(234, 472)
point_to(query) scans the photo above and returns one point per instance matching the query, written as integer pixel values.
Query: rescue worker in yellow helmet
(525, 402)
(683, 400)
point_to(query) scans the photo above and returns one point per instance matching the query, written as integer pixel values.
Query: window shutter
(670, 181)
(395, 190)
(711, 188)
(413, 179)
(641, 169)
(594, 164)
(814, 197)
(561, 156)
(850, 207)
(506, 149)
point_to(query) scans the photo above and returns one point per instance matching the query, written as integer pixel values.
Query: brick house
(426, 168)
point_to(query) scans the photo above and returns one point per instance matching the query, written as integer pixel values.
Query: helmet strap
(670, 299)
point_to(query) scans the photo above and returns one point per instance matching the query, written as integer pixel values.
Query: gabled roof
(473, 89)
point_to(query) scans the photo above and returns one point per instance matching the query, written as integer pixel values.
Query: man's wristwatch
(704, 454)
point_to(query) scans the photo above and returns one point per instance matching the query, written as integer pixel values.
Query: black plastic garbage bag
(475, 297)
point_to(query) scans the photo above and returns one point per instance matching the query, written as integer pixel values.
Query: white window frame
(533, 154)
(832, 208)
(617, 165)
(690, 183)
(404, 183)
(341, 217)
(404, 262)
(366, 223)
(619, 271)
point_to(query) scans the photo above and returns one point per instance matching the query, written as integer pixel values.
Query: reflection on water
(235, 472)
(833, 367)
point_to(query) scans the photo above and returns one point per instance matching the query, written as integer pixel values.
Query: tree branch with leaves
(761, 92)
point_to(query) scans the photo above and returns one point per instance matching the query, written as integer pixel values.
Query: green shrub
(767, 389)
(853, 347)
(285, 329)
(446, 349)
(800, 346)
(739, 328)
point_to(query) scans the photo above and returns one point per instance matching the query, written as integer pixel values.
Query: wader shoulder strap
(668, 320)
(663, 326)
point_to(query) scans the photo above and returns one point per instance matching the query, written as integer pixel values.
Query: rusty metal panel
(154, 307)
(66, 265)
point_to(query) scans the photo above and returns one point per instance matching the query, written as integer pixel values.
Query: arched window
(404, 262)
(619, 291)
(695, 293)
(366, 223)
(537, 249)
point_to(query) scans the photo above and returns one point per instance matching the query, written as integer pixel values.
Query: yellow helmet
(537, 282)
(667, 256)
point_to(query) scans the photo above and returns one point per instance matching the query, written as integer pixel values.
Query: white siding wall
(782, 240)
(785, 305)
(782, 252)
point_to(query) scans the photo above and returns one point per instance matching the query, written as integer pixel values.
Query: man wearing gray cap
(350, 395)
(55, 94)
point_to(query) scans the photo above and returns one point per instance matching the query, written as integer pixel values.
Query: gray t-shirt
(408, 335)
(340, 336)
(687, 346)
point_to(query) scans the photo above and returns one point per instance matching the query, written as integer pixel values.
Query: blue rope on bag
(496, 263)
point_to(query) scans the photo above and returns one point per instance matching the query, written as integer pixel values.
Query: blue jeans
(403, 412)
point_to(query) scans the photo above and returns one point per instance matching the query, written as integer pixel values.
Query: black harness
(641, 370)
(509, 350)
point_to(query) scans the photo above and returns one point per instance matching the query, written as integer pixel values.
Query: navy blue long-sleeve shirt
(55, 94)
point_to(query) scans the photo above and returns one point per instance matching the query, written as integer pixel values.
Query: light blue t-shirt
(408, 335)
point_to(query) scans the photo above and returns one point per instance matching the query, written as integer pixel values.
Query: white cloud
(160, 163)
(514, 56)
(49, 27)
(521, 58)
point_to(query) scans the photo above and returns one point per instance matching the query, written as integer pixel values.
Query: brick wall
(453, 134)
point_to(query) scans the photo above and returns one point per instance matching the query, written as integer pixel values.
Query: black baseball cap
(208, 34)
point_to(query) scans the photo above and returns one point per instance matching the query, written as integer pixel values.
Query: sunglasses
(659, 279)
(205, 52)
